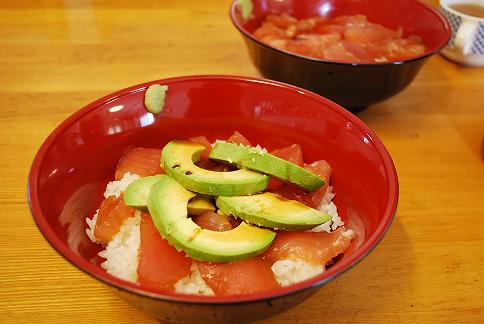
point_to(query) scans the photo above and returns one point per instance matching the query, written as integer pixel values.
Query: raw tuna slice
(112, 213)
(141, 161)
(238, 138)
(213, 221)
(235, 278)
(316, 248)
(160, 264)
(202, 140)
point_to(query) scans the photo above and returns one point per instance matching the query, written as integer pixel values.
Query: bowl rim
(426, 54)
(101, 275)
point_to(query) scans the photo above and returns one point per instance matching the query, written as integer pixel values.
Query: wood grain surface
(57, 56)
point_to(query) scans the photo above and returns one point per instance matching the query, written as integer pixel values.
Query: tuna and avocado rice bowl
(169, 223)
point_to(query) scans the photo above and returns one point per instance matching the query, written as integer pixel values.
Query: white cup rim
(458, 13)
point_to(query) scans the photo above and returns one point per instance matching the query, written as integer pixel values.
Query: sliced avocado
(167, 204)
(179, 156)
(137, 192)
(271, 210)
(136, 196)
(199, 205)
(255, 159)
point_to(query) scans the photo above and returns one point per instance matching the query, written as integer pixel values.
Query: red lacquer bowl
(352, 85)
(72, 167)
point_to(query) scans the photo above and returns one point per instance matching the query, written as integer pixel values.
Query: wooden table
(56, 56)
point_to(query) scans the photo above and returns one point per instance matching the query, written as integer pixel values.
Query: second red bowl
(352, 85)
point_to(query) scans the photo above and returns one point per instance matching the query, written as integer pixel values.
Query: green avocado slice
(255, 159)
(167, 204)
(199, 205)
(137, 192)
(179, 156)
(271, 210)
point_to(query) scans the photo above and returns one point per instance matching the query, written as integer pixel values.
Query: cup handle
(465, 36)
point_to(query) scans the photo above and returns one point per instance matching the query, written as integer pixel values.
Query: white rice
(328, 207)
(121, 253)
(288, 271)
(91, 223)
(193, 284)
(116, 188)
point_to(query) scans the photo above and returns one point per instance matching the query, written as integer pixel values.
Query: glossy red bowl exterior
(72, 167)
(352, 85)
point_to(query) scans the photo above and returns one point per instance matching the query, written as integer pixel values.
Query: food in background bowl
(232, 224)
(343, 38)
(73, 166)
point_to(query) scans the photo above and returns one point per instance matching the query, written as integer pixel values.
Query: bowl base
(179, 312)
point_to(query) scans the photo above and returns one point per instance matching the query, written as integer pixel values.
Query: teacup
(466, 45)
